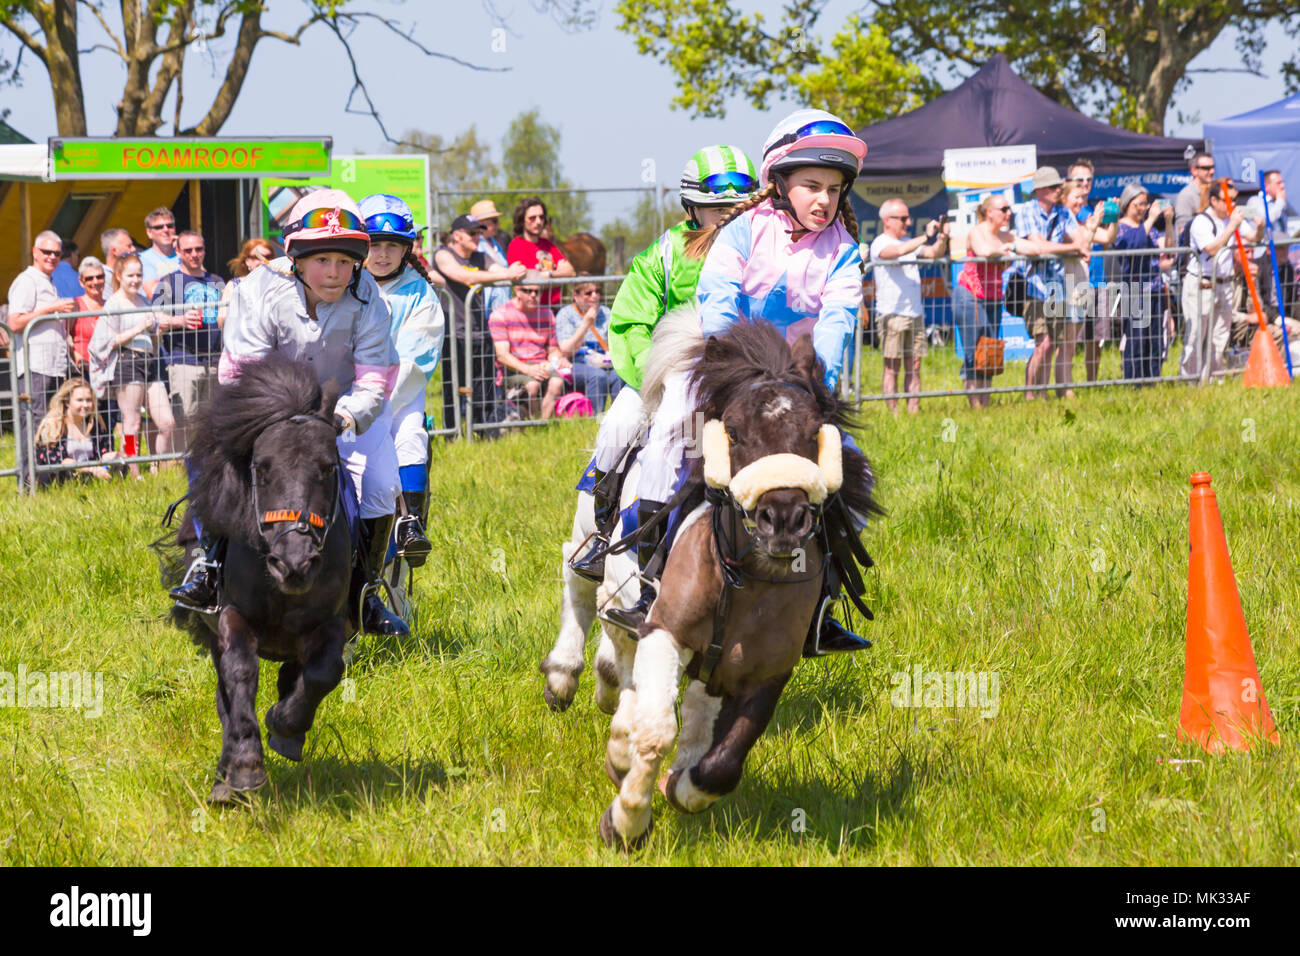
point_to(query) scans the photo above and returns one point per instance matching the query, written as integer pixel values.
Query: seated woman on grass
(72, 432)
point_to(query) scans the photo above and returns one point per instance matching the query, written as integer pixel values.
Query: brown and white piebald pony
(743, 578)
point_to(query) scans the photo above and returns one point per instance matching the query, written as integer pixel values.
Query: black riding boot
(826, 635)
(633, 617)
(201, 588)
(375, 616)
(412, 543)
(591, 563)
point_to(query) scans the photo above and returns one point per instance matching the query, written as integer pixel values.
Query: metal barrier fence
(474, 402)
(502, 398)
(1115, 320)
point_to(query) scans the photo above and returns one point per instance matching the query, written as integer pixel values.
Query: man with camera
(900, 308)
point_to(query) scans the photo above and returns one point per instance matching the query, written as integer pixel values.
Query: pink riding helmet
(326, 220)
(812, 138)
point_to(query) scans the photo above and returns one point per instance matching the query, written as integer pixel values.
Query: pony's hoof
(244, 779)
(614, 840)
(557, 704)
(290, 748)
(614, 774)
(221, 794)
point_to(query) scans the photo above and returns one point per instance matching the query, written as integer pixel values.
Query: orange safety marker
(1223, 698)
(1264, 366)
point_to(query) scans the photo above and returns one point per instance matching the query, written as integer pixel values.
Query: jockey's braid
(699, 244)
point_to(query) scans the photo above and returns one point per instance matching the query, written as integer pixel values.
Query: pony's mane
(268, 391)
(672, 346)
(750, 351)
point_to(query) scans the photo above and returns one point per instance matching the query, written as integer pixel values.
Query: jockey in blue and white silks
(416, 330)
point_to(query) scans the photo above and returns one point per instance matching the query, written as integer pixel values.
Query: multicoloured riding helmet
(813, 138)
(718, 176)
(326, 220)
(388, 217)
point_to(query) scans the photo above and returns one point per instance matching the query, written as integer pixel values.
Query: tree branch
(410, 38)
(99, 15)
(28, 41)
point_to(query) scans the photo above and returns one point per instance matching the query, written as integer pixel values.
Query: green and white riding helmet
(717, 176)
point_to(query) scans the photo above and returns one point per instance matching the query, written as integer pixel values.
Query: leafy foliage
(1123, 60)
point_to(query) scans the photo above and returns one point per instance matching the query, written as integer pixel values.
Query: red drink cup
(129, 446)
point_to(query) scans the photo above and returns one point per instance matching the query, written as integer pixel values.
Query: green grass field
(1046, 543)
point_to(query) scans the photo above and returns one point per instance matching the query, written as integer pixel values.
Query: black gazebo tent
(995, 107)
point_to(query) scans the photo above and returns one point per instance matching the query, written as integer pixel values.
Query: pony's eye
(732, 436)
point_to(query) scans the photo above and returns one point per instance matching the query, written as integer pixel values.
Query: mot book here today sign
(213, 158)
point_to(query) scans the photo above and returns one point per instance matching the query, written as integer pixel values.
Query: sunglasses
(85, 279)
(1079, 179)
(819, 128)
(900, 218)
(50, 252)
(529, 291)
(1205, 169)
(1002, 208)
(197, 250)
(389, 222)
(324, 218)
(163, 225)
(734, 182)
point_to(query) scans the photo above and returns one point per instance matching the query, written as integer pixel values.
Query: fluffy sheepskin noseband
(818, 479)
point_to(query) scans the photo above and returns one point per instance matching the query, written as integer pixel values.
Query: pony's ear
(712, 349)
(805, 357)
(329, 395)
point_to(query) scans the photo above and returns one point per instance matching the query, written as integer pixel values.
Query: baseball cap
(467, 221)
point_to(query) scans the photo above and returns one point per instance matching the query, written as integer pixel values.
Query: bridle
(302, 520)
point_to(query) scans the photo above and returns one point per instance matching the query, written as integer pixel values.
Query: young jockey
(317, 303)
(659, 279)
(416, 330)
(788, 255)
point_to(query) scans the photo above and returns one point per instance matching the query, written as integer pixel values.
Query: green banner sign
(189, 158)
(406, 177)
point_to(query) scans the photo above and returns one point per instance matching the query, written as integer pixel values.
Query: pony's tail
(701, 241)
(673, 348)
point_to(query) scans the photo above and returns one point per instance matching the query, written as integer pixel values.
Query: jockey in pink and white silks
(318, 305)
(789, 256)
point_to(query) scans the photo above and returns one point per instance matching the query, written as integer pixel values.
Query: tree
(153, 38)
(716, 52)
(1122, 59)
(463, 164)
(641, 229)
(530, 159)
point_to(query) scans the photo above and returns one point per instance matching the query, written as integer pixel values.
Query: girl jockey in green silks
(660, 279)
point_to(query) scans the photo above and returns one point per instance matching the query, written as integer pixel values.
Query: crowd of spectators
(1141, 298)
(147, 339)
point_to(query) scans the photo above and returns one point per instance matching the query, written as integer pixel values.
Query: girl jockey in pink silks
(788, 255)
(318, 304)
(416, 328)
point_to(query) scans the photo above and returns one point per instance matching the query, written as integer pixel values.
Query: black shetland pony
(264, 466)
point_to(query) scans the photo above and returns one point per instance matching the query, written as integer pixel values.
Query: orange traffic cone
(1223, 699)
(1264, 367)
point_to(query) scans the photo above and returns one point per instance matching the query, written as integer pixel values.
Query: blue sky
(610, 103)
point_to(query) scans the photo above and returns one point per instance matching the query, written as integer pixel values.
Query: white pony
(670, 352)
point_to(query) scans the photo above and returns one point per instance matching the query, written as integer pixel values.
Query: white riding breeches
(672, 438)
(619, 429)
(409, 436)
(371, 459)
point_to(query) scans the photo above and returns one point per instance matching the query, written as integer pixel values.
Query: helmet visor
(735, 182)
(818, 128)
(390, 222)
(326, 218)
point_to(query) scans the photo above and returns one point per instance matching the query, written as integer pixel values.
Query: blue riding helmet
(387, 217)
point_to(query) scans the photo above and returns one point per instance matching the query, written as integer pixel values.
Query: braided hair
(700, 241)
(410, 260)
